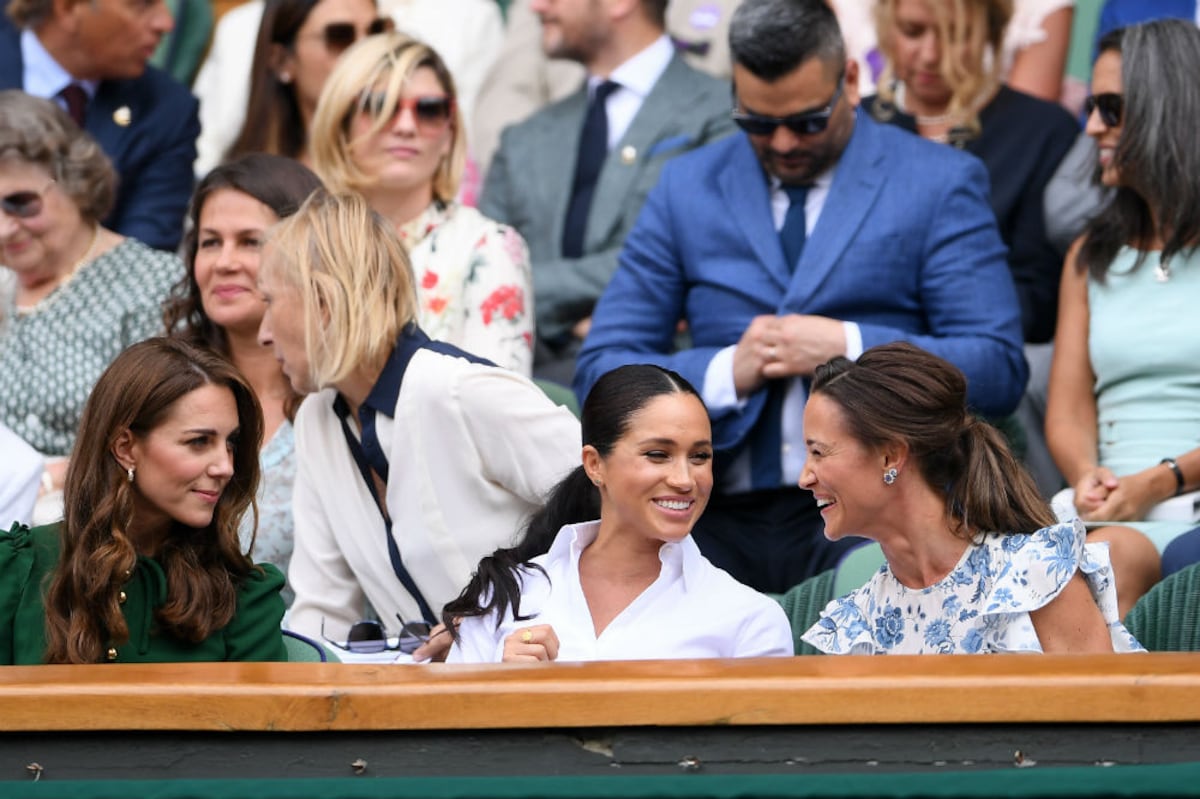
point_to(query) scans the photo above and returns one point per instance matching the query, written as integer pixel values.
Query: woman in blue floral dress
(975, 561)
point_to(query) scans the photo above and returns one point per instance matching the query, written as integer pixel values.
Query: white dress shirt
(693, 610)
(636, 77)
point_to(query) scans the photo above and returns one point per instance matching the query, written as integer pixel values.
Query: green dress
(27, 558)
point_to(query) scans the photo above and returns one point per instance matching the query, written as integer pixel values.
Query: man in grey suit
(572, 178)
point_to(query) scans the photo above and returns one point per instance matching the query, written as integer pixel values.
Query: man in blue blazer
(145, 121)
(1123, 13)
(896, 240)
(660, 108)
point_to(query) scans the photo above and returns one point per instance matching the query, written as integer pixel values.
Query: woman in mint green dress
(146, 565)
(1123, 417)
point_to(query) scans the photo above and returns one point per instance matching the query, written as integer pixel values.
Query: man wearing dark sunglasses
(573, 176)
(91, 56)
(815, 232)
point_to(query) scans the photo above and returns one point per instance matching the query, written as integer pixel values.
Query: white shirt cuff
(720, 392)
(854, 345)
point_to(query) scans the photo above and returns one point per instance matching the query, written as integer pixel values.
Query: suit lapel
(856, 185)
(745, 191)
(555, 146)
(666, 103)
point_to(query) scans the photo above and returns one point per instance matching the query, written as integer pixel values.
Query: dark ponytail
(900, 393)
(607, 412)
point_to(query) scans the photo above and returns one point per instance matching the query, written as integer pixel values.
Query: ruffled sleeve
(254, 633)
(16, 565)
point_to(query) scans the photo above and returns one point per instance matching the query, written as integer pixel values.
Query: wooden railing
(296, 697)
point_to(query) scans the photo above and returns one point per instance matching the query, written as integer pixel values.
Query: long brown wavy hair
(203, 566)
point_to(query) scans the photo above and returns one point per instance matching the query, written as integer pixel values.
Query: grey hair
(771, 38)
(1156, 156)
(38, 132)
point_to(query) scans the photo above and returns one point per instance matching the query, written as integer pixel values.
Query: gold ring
(526, 636)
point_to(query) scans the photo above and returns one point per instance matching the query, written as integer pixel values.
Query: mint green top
(27, 558)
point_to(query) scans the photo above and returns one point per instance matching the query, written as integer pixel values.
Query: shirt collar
(43, 76)
(640, 73)
(682, 558)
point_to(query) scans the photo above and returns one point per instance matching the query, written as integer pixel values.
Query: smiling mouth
(675, 504)
(824, 503)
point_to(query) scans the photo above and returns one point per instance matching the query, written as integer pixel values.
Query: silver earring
(129, 473)
(890, 476)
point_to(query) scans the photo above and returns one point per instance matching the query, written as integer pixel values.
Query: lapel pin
(122, 116)
(628, 154)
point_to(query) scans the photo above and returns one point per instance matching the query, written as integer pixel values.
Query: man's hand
(799, 343)
(751, 355)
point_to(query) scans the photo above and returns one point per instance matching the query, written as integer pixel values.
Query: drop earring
(129, 473)
(890, 476)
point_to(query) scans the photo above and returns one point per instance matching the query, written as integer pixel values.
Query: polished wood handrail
(786, 691)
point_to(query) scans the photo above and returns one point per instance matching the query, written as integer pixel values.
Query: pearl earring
(890, 476)
(129, 473)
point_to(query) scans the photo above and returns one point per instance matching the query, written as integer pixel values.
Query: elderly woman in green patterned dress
(73, 294)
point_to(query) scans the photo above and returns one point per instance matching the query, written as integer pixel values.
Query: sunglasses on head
(340, 35)
(24, 204)
(1110, 105)
(431, 112)
(369, 637)
(803, 124)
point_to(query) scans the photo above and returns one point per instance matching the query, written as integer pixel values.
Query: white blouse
(693, 610)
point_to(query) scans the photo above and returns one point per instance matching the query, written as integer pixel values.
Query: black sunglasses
(340, 35)
(24, 204)
(804, 124)
(369, 636)
(1110, 105)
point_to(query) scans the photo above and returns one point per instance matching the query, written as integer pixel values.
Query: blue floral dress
(981, 606)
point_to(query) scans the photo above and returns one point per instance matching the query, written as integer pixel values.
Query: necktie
(793, 233)
(593, 149)
(76, 99)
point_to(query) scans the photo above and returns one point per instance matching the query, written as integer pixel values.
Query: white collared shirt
(719, 391)
(637, 77)
(693, 610)
(45, 77)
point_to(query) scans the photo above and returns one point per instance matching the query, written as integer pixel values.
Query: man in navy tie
(91, 56)
(813, 233)
(572, 177)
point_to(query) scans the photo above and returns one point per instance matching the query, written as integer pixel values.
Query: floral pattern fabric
(982, 606)
(474, 283)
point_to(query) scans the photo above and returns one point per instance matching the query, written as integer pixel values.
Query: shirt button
(112, 653)
(121, 597)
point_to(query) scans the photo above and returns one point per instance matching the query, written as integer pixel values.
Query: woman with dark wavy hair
(975, 561)
(218, 306)
(146, 566)
(1121, 419)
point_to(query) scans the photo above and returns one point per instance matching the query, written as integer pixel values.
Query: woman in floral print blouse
(388, 126)
(975, 561)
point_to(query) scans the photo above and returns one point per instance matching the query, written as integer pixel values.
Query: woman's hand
(531, 644)
(436, 647)
(1134, 495)
(1092, 490)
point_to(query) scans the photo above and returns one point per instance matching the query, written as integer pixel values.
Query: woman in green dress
(146, 565)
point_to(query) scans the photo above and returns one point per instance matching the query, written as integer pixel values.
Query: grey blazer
(528, 184)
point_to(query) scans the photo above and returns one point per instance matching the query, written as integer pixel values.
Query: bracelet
(1174, 467)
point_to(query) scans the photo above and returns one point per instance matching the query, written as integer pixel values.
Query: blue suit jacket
(906, 246)
(153, 154)
(1123, 13)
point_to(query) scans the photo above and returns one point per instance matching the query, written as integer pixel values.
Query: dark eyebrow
(670, 442)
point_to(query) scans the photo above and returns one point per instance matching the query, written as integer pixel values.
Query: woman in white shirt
(414, 458)
(632, 585)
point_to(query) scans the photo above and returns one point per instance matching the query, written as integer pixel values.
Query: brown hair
(900, 393)
(30, 13)
(274, 123)
(203, 567)
(968, 30)
(279, 183)
(38, 132)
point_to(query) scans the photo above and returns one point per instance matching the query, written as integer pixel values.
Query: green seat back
(1167, 618)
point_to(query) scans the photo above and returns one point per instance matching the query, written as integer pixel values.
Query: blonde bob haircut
(971, 33)
(353, 279)
(380, 63)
